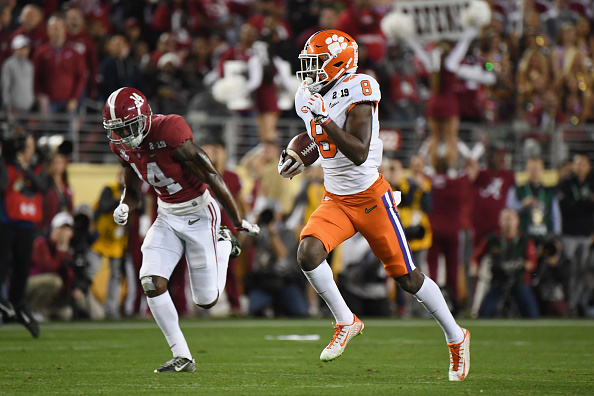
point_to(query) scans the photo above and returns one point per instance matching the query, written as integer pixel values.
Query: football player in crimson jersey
(339, 109)
(160, 150)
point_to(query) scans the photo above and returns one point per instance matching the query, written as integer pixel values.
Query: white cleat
(342, 335)
(460, 358)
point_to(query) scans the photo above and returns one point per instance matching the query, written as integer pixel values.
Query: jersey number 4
(156, 178)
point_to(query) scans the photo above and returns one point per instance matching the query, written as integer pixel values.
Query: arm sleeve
(476, 73)
(255, 75)
(452, 61)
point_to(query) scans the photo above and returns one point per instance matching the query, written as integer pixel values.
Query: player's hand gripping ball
(301, 152)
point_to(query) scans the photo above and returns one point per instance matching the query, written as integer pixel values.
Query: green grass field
(235, 356)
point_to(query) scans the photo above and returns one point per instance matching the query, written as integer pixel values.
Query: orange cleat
(342, 335)
(460, 358)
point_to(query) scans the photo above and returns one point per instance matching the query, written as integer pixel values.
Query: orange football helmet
(328, 54)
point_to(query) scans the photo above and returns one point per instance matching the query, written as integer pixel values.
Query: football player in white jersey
(340, 111)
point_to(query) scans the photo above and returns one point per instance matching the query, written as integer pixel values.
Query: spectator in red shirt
(489, 191)
(449, 197)
(78, 37)
(260, 67)
(50, 283)
(32, 26)
(179, 17)
(271, 22)
(362, 22)
(60, 71)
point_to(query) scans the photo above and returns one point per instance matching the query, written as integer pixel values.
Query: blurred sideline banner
(435, 19)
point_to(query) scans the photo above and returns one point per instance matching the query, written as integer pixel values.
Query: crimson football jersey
(154, 163)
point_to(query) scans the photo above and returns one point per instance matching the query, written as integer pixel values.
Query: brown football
(303, 149)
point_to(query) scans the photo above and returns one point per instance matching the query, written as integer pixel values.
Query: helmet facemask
(127, 135)
(312, 70)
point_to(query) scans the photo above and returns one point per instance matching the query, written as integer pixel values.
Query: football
(303, 149)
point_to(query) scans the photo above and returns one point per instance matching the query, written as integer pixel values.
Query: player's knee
(153, 286)
(311, 253)
(411, 282)
(206, 300)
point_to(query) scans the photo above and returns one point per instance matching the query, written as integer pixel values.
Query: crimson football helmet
(125, 117)
(328, 54)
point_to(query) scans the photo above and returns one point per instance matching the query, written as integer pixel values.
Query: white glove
(120, 214)
(318, 109)
(286, 169)
(248, 228)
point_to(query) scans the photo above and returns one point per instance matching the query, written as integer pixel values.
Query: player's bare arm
(192, 157)
(133, 187)
(354, 141)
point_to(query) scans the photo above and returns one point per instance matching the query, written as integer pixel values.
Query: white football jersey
(341, 175)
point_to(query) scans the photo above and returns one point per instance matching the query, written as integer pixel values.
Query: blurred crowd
(60, 55)
(498, 247)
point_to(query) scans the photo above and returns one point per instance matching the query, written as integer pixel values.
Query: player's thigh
(330, 224)
(383, 230)
(200, 241)
(161, 249)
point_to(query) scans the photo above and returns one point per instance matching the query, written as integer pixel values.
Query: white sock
(323, 282)
(223, 252)
(431, 298)
(166, 317)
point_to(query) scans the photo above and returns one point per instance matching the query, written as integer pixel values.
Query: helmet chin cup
(314, 87)
(138, 131)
